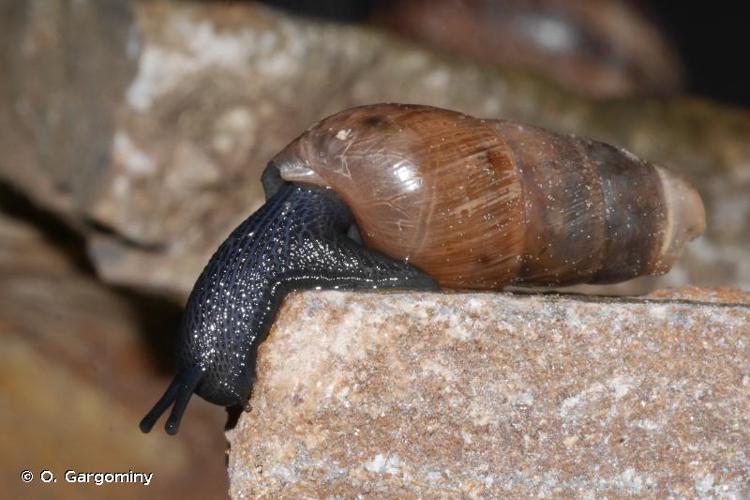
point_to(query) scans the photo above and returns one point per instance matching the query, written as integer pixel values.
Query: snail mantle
(497, 394)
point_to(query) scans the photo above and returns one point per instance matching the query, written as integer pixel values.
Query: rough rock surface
(147, 123)
(474, 395)
(79, 366)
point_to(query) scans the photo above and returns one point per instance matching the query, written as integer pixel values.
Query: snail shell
(487, 203)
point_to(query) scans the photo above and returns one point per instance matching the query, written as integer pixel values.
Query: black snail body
(297, 240)
(439, 199)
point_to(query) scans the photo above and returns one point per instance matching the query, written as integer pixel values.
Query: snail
(408, 196)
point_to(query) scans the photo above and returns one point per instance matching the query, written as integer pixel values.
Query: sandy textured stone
(477, 395)
(147, 123)
(719, 295)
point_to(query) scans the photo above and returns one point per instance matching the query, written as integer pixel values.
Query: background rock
(604, 48)
(499, 395)
(80, 364)
(147, 124)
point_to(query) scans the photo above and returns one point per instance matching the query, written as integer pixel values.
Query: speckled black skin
(297, 240)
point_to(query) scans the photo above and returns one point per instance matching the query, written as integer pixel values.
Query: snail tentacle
(179, 393)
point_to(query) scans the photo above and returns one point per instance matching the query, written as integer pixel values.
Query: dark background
(713, 39)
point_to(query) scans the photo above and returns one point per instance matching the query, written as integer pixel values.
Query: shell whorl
(486, 203)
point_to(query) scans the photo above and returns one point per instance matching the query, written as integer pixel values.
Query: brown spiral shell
(487, 203)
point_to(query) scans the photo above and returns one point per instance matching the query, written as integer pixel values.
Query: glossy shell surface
(486, 203)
